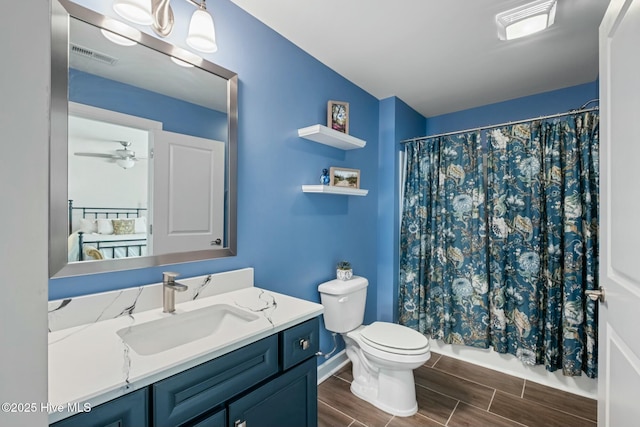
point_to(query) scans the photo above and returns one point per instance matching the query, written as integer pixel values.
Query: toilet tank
(344, 302)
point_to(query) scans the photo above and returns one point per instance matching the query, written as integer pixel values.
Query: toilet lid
(394, 336)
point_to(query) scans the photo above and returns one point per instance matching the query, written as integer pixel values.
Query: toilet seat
(393, 338)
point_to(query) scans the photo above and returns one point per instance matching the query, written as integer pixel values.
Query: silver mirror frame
(61, 13)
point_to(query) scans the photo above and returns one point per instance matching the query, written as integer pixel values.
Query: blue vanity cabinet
(241, 380)
(130, 410)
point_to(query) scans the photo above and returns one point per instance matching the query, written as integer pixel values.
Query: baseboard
(332, 366)
(509, 364)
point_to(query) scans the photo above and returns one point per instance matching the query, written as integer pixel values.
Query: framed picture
(343, 177)
(338, 116)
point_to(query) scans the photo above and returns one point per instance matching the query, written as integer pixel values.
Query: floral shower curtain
(570, 264)
(444, 290)
(542, 219)
(516, 240)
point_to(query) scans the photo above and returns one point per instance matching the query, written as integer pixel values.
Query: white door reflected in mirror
(188, 192)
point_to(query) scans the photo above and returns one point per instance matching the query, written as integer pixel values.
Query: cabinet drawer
(299, 343)
(191, 393)
(130, 410)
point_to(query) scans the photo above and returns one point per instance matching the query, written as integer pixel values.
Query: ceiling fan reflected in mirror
(123, 157)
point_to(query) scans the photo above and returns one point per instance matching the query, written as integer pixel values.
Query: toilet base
(398, 402)
(382, 378)
(391, 390)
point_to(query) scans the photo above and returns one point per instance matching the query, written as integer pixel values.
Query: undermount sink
(182, 328)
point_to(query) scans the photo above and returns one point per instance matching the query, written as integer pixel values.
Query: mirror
(143, 149)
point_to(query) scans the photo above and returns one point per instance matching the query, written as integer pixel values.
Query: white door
(619, 321)
(188, 193)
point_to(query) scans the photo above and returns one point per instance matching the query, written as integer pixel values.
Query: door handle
(240, 423)
(216, 242)
(595, 294)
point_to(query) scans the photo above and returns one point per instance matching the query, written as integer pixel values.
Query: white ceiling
(439, 56)
(94, 136)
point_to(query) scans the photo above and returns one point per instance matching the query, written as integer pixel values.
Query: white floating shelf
(330, 137)
(329, 189)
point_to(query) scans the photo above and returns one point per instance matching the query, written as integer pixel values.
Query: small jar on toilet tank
(344, 271)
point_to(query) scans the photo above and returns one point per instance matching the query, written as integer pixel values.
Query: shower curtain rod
(582, 109)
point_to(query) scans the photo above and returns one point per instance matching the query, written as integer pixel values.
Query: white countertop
(92, 364)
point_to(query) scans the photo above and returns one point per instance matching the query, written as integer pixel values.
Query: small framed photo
(338, 116)
(343, 177)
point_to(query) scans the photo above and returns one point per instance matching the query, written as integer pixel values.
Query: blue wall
(176, 115)
(398, 121)
(557, 101)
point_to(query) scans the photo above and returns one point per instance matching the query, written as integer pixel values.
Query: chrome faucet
(169, 288)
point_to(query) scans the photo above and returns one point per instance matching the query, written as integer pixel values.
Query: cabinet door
(130, 410)
(287, 401)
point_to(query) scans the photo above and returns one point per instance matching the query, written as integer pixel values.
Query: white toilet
(383, 354)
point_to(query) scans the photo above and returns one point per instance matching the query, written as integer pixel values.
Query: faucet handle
(169, 276)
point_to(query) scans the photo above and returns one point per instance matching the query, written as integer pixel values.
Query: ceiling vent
(93, 54)
(526, 19)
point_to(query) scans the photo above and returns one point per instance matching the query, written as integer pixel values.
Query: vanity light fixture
(181, 63)
(117, 38)
(527, 19)
(158, 14)
(136, 11)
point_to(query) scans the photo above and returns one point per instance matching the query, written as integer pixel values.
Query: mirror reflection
(108, 190)
(150, 142)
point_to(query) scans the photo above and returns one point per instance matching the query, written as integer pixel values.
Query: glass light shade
(126, 163)
(117, 38)
(136, 11)
(202, 33)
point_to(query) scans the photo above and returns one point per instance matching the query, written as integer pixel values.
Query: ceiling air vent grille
(93, 54)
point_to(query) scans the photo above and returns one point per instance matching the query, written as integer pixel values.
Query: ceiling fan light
(526, 19)
(136, 11)
(126, 163)
(202, 33)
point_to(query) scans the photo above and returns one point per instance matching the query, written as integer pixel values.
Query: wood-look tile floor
(454, 393)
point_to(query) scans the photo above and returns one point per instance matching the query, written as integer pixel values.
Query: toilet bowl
(383, 355)
(382, 374)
